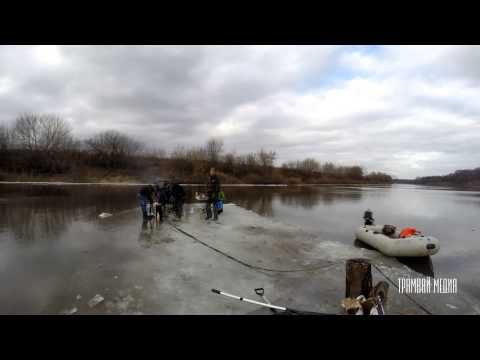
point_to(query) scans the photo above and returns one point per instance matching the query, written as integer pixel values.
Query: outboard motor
(368, 217)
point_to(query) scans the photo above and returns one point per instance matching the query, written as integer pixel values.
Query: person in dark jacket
(162, 197)
(146, 196)
(178, 198)
(213, 190)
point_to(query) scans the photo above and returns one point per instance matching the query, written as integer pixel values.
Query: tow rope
(260, 268)
(254, 267)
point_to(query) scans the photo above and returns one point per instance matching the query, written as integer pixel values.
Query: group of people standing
(154, 198)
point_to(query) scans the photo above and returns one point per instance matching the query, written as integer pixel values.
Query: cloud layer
(407, 110)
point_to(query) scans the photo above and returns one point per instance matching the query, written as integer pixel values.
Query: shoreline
(189, 185)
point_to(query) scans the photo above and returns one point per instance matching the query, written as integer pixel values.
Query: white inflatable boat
(416, 245)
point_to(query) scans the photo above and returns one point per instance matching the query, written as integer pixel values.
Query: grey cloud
(170, 95)
(464, 62)
(449, 105)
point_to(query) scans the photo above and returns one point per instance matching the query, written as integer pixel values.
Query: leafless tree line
(196, 160)
(313, 167)
(46, 133)
(5, 136)
(43, 143)
(112, 149)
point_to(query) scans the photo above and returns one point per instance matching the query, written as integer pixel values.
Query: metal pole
(249, 300)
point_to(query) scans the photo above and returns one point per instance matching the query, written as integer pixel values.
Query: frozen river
(56, 254)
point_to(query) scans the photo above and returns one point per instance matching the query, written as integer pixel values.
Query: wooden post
(358, 278)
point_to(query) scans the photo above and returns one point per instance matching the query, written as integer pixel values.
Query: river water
(41, 225)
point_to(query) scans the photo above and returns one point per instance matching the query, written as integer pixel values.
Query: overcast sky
(406, 110)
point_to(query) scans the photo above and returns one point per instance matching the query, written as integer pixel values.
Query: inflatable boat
(392, 242)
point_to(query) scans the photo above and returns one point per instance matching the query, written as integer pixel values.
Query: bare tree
(251, 160)
(112, 142)
(229, 163)
(292, 165)
(26, 131)
(266, 159)
(380, 177)
(354, 172)
(214, 148)
(42, 142)
(179, 152)
(153, 151)
(240, 165)
(329, 168)
(48, 132)
(113, 148)
(4, 138)
(159, 153)
(55, 134)
(197, 154)
(309, 165)
(180, 161)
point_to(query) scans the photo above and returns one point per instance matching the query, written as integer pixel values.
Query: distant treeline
(459, 177)
(42, 145)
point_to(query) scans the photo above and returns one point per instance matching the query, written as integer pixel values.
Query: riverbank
(109, 183)
(148, 170)
(440, 184)
(124, 178)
